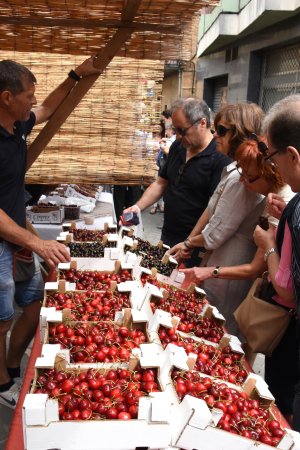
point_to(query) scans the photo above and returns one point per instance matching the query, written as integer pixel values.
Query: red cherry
(124, 416)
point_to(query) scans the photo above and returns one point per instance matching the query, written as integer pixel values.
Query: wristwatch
(269, 252)
(72, 74)
(216, 272)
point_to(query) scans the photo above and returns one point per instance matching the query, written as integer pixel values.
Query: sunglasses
(221, 130)
(262, 147)
(182, 131)
(247, 179)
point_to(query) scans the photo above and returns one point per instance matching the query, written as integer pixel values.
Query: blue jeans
(24, 293)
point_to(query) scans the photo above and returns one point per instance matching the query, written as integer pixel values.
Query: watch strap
(72, 74)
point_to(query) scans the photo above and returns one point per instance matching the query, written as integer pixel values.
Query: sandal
(153, 210)
(161, 208)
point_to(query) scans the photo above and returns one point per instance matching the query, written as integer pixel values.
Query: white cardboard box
(43, 430)
(151, 431)
(194, 428)
(46, 217)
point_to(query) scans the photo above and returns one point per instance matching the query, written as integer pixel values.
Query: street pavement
(151, 222)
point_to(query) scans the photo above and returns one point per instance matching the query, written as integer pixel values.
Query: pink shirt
(283, 275)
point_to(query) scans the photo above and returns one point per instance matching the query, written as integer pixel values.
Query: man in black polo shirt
(17, 99)
(191, 173)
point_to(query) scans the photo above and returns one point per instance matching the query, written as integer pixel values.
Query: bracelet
(188, 244)
(269, 252)
(138, 208)
(72, 74)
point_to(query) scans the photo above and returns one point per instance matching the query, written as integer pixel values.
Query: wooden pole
(82, 87)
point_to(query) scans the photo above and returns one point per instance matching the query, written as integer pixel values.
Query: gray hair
(282, 123)
(12, 76)
(193, 109)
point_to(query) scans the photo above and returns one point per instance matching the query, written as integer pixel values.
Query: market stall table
(103, 213)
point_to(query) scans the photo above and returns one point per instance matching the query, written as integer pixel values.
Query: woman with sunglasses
(259, 174)
(226, 226)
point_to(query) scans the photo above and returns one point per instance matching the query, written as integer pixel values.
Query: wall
(243, 78)
(180, 84)
(170, 90)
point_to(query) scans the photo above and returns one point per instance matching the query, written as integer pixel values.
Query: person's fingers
(54, 253)
(186, 270)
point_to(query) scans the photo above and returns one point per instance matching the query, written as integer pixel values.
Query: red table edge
(15, 440)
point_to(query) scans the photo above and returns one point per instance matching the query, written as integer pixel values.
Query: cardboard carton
(43, 430)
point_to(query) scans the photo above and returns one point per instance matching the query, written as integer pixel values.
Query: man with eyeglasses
(282, 125)
(190, 175)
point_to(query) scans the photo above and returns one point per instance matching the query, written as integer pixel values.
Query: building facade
(249, 50)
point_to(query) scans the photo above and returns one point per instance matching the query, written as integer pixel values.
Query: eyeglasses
(262, 147)
(247, 179)
(269, 157)
(182, 131)
(221, 130)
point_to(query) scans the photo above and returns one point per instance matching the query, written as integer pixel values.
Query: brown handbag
(262, 322)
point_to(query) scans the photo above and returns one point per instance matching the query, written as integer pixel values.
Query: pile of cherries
(100, 342)
(219, 363)
(241, 415)
(86, 249)
(90, 305)
(91, 279)
(179, 303)
(188, 307)
(84, 235)
(97, 394)
(152, 256)
(150, 261)
(111, 244)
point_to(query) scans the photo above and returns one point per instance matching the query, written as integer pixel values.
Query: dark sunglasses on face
(182, 131)
(262, 147)
(221, 130)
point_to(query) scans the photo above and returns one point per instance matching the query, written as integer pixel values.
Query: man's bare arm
(52, 252)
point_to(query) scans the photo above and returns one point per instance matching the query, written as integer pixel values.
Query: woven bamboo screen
(104, 139)
(85, 26)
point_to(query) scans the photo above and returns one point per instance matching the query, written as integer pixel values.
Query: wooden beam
(130, 9)
(82, 87)
(86, 24)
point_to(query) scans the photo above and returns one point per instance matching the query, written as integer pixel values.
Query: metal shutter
(220, 91)
(280, 75)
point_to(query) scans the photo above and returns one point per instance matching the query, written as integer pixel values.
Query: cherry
(124, 416)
